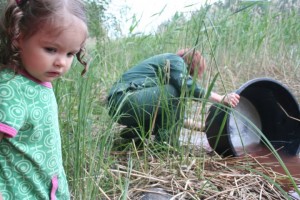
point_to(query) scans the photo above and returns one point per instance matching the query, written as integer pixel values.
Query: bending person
(150, 97)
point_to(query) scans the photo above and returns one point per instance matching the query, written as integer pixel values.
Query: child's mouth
(53, 74)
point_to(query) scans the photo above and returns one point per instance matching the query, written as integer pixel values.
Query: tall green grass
(239, 44)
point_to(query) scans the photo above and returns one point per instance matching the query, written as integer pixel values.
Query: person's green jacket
(160, 69)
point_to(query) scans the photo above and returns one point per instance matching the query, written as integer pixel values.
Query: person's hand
(231, 99)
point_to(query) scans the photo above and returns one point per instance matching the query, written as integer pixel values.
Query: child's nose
(60, 61)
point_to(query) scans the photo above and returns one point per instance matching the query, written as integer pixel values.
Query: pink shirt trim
(54, 187)
(24, 73)
(8, 130)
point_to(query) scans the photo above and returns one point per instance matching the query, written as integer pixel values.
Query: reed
(241, 43)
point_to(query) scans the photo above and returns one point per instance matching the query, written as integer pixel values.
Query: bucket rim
(242, 88)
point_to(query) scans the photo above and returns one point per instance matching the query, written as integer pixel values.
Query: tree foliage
(96, 15)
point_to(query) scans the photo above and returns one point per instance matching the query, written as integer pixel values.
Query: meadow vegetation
(241, 41)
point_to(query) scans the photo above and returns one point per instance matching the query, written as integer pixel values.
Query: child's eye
(50, 49)
(71, 54)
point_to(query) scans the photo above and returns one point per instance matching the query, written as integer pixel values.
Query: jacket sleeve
(182, 81)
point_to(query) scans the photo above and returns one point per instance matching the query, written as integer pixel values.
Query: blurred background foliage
(240, 39)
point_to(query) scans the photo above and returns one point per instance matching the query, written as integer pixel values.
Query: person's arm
(192, 124)
(231, 99)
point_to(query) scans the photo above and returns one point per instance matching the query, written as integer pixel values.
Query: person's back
(149, 73)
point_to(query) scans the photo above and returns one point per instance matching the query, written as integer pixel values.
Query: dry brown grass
(203, 177)
(196, 173)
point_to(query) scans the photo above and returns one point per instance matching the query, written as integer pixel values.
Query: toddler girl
(39, 39)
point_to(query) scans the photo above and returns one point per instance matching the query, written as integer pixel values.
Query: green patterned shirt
(30, 152)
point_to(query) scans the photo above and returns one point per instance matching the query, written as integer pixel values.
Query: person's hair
(194, 60)
(26, 17)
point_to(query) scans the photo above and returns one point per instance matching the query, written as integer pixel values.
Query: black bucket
(266, 106)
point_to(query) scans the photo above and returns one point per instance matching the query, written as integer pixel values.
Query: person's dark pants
(148, 110)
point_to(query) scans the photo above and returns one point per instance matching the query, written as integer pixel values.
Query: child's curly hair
(26, 17)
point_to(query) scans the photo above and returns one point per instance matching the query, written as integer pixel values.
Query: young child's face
(48, 54)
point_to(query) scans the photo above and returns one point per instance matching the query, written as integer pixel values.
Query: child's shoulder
(12, 82)
(8, 76)
(6, 73)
